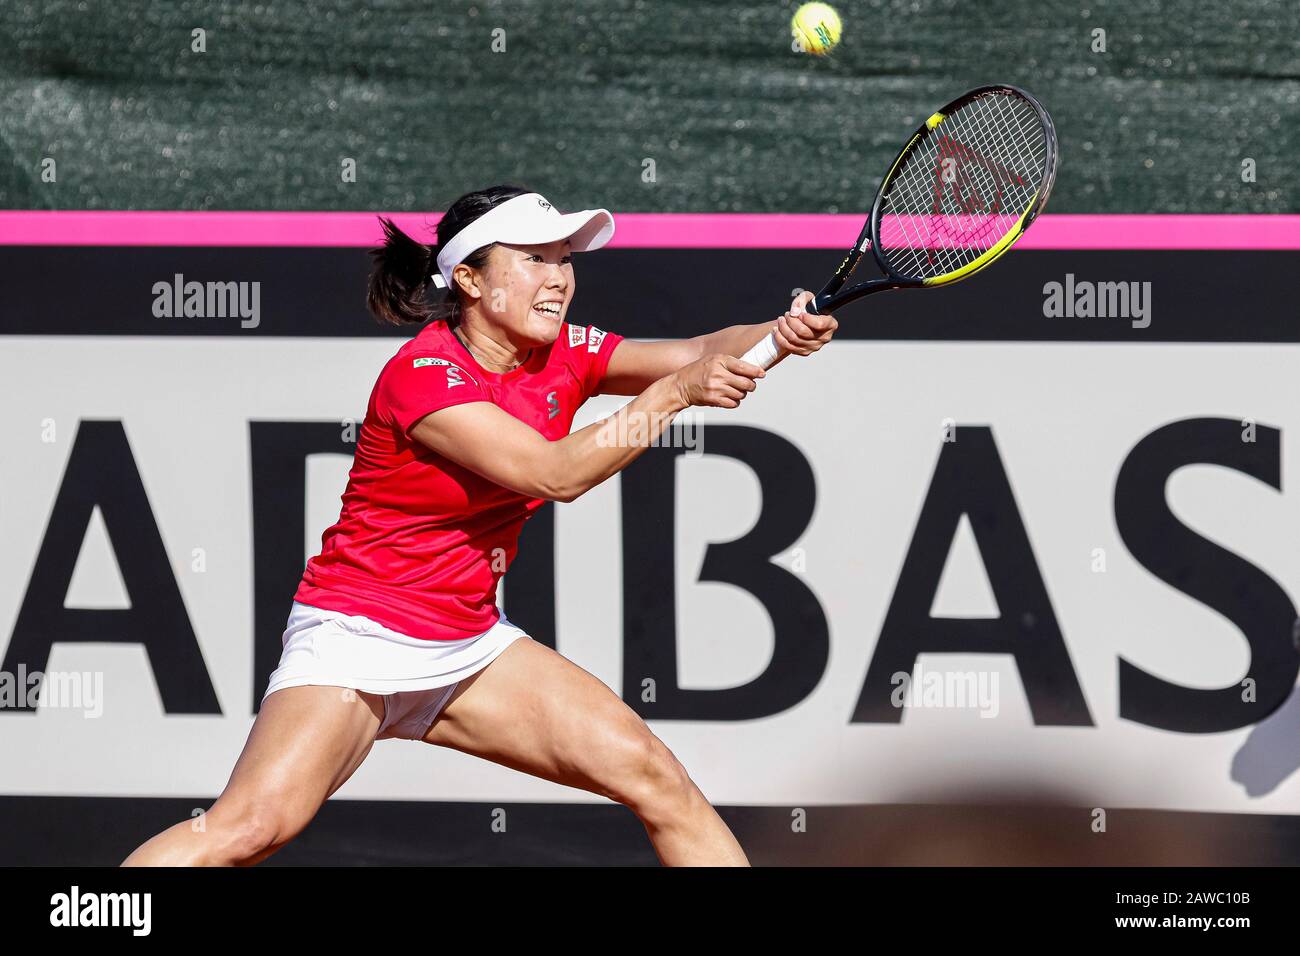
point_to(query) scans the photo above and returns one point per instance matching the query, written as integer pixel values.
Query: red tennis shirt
(422, 541)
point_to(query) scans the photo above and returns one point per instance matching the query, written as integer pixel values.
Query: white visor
(527, 220)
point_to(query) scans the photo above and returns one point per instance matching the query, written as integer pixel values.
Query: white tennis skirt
(346, 650)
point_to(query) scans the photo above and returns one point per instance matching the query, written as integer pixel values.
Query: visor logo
(544, 204)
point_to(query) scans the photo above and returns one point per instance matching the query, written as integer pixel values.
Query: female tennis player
(394, 630)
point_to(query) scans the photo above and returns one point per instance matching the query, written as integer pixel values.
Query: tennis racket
(960, 193)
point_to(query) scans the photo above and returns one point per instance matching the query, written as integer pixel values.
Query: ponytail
(403, 267)
(399, 280)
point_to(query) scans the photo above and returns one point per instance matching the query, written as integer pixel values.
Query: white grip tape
(764, 353)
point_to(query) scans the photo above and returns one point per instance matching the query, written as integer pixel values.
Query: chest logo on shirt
(593, 342)
(455, 374)
(577, 335)
(552, 406)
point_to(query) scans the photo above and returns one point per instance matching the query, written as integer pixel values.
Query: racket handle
(767, 351)
(764, 353)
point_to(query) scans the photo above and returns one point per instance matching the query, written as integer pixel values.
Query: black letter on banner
(278, 453)
(969, 479)
(801, 641)
(101, 471)
(530, 583)
(1203, 570)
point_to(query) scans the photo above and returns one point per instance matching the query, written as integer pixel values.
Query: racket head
(967, 184)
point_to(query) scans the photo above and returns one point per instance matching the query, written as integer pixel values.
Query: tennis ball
(816, 28)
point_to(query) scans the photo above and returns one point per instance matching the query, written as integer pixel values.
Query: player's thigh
(305, 743)
(534, 710)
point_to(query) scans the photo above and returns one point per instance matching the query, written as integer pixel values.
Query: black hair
(403, 267)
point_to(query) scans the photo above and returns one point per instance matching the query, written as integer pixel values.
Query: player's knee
(252, 836)
(254, 830)
(650, 780)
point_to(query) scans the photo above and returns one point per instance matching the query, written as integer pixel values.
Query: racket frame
(832, 294)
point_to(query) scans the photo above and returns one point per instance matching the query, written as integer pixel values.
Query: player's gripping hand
(718, 380)
(802, 333)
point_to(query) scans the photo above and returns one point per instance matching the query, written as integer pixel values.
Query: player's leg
(533, 710)
(304, 745)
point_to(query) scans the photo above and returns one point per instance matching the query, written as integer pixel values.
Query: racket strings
(962, 179)
(967, 187)
(963, 187)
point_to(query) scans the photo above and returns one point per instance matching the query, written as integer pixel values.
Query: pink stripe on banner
(46, 228)
(635, 230)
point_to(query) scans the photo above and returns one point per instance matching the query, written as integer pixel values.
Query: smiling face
(525, 291)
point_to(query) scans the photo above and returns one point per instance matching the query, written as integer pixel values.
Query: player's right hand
(721, 381)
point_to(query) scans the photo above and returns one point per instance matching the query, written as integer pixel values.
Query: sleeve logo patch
(454, 372)
(577, 335)
(593, 343)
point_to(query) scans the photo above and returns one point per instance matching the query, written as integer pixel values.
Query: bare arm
(634, 365)
(491, 442)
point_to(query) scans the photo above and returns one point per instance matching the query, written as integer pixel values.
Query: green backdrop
(585, 92)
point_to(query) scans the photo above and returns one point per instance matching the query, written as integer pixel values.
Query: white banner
(871, 419)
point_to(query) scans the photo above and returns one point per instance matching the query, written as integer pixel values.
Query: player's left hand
(802, 333)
